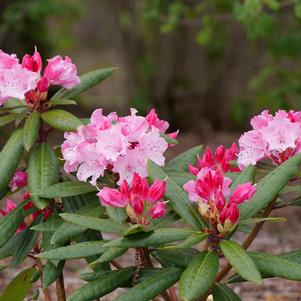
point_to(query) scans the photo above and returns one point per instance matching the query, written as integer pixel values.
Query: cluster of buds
(216, 202)
(220, 160)
(24, 80)
(143, 203)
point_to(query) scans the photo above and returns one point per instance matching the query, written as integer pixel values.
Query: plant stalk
(45, 290)
(60, 288)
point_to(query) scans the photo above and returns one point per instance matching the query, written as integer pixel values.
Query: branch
(60, 288)
(45, 290)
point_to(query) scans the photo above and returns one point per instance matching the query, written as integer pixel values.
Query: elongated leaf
(102, 286)
(61, 120)
(175, 257)
(31, 130)
(68, 231)
(51, 273)
(25, 245)
(179, 200)
(108, 255)
(117, 214)
(10, 224)
(87, 81)
(240, 261)
(50, 225)
(182, 161)
(155, 238)
(10, 157)
(8, 248)
(269, 187)
(294, 256)
(190, 241)
(43, 171)
(180, 177)
(276, 266)
(221, 292)
(19, 287)
(198, 276)
(61, 102)
(7, 119)
(100, 224)
(66, 189)
(152, 286)
(80, 250)
(247, 175)
(261, 219)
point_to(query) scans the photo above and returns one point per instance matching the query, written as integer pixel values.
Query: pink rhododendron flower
(25, 81)
(211, 190)
(61, 72)
(18, 180)
(142, 202)
(121, 145)
(276, 137)
(220, 161)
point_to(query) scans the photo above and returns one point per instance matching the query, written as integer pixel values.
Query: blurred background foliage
(206, 65)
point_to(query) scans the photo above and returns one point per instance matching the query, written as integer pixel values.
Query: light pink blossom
(61, 72)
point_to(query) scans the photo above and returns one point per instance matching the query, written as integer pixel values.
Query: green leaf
(180, 177)
(179, 199)
(190, 241)
(51, 273)
(61, 120)
(156, 238)
(102, 286)
(198, 276)
(68, 231)
(99, 224)
(61, 102)
(240, 261)
(152, 286)
(10, 157)
(43, 171)
(182, 161)
(270, 186)
(261, 219)
(134, 229)
(19, 287)
(65, 189)
(10, 223)
(276, 266)
(87, 81)
(25, 245)
(221, 292)
(117, 214)
(50, 225)
(175, 257)
(7, 119)
(80, 250)
(31, 130)
(8, 248)
(169, 140)
(247, 175)
(109, 255)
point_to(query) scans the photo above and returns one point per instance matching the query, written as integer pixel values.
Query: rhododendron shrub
(108, 191)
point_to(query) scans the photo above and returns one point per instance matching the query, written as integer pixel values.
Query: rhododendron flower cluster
(24, 80)
(142, 203)
(121, 145)
(219, 161)
(276, 137)
(211, 190)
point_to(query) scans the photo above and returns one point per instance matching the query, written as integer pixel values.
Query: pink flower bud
(139, 186)
(159, 210)
(111, 197)
(137, 205)
(220, 201)
(125, 191)
(242, 193)
(26, 196)
(18, 180)
(193, 170)
(219, 153)
(32, 63)
(208, 159)
(61, 72)
(43, 84)
(156, 191)
(232, 214)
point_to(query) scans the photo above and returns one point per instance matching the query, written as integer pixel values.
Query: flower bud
(159, 210)
(43, 84)
(156, 191)
(111, 197)
(242, 193)
(18, 180)
(32, 63)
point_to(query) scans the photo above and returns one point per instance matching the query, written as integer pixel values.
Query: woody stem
(45, 290)
(60, 288)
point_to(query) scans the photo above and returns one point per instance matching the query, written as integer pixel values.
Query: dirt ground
(274, 238)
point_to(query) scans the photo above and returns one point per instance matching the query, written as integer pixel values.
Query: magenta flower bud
(219, 153)
(32, 63)
(18, 180)
(159, 210)
(125, 191)
(139, 186)
(208, 159)
(43, 84)
(111, 197)
(232, 213)
(220, 201)
(242, 193)
(137, 205)
(156, 191)
(193, 170)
